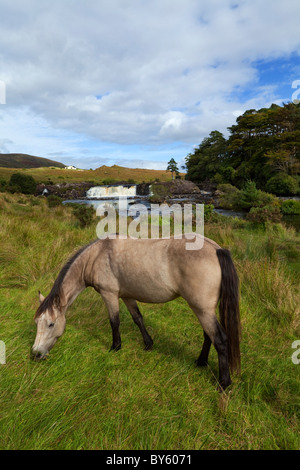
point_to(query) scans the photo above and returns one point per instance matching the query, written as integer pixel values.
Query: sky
(138, 82)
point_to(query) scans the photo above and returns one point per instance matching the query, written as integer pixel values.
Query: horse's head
(50, 321)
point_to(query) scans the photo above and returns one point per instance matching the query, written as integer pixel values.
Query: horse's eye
(51, 325)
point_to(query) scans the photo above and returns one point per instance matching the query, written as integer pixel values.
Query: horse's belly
(148, 294)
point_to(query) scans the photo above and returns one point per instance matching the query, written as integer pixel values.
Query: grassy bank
(101, 175)
(83, 397)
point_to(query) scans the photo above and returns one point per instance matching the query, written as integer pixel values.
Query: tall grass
(84, 397)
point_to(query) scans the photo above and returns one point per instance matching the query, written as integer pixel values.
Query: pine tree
(172, 166)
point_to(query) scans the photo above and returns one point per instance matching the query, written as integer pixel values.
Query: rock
(65, 191)
(175, 187)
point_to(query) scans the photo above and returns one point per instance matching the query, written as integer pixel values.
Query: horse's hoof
(115, 348)
(222, 386)
(201, 363)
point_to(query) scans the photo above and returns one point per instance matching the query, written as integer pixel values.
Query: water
(229, 213)
(109, 196)
(115, 203)
(111, 191)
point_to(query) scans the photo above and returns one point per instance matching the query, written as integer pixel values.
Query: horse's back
(158, 270)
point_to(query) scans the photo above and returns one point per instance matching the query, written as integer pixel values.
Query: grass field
(97, 176)
(84, 397)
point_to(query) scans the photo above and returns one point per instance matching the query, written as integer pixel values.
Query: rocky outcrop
(142, 189)
(175, 187)
(183, 191)
(65, 190)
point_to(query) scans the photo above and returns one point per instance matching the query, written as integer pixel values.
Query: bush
(208, 211)
(3, 185)
(282, 185)
(13, 188)
(246, 198)
(265, 199)
(84, 214)
(108, 181)
(264, 214)
(54, 201)
(290, 207)
(26, 183)
(159, 193)
(229, 196)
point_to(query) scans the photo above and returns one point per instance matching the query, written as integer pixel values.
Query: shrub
(109, 181)
(3, 185)
(26, 183)
(269, 213)
(248, 196)
(159, 193)
(265, 199)
(84, 214)
(229, 196)
(282, 184)
(208, 211)
(290, 207)
(13, 188)
(54, 201)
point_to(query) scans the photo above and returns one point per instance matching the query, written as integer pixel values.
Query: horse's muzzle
(37, 356)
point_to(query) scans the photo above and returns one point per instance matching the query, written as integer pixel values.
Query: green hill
(20, 160)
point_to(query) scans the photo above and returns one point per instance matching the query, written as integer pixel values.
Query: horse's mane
(54, 295)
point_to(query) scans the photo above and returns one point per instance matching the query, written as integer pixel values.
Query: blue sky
(137, 82)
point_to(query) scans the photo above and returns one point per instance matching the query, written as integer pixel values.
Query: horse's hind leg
(138, 320)
(202, 360)
(215, 335)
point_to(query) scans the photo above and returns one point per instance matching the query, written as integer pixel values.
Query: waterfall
(100, 192)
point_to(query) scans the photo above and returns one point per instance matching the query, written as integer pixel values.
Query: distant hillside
(103, 175)
(20, 160)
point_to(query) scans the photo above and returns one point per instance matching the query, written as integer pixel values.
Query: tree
(85, 215)
(207, 159)
(25, 183)
(282, 184)
(172, 166)
(260, 144)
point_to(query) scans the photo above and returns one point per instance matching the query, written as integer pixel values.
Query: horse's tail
(229, 308)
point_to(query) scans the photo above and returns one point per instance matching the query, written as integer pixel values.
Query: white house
(71, 167)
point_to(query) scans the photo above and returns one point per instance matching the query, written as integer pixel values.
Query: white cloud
(135, 72)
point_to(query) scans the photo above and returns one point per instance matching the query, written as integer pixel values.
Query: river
(289, 220)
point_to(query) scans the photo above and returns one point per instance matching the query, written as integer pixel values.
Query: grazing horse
(151, 271)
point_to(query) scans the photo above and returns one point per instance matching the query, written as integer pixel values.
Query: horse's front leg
(112, 304)
(138, 320)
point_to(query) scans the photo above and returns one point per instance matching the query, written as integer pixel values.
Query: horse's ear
(41, 297)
